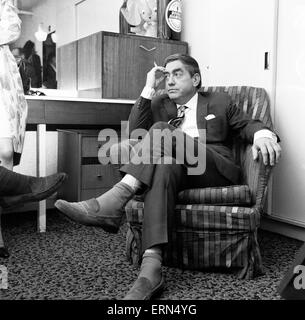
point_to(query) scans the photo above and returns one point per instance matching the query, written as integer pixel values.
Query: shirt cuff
(265, 133)
(148, 93)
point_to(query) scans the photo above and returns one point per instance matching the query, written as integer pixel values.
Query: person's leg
(107, 210)
(17, 188)
(160, 199)
(150, 280)
(3, 250)
(6, 153)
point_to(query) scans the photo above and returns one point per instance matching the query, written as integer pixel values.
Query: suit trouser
(164, 181)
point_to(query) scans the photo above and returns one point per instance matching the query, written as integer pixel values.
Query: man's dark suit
(228, 120)
(165, 181)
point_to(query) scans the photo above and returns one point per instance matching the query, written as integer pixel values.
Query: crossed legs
(162, 182)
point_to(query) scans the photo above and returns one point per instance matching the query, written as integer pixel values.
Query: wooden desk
(60, 111)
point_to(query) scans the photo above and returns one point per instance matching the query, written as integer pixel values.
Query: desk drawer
(91, 145)
(98, 176)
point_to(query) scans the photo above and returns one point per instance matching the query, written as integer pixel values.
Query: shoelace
(176, 122)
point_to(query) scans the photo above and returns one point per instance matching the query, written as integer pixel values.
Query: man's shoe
(143, 289)
(4, 253)
(88, 213)
(41, 188)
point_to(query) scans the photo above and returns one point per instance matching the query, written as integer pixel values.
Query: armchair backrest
(253, 101)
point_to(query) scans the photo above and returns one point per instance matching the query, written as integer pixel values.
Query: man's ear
(196, 79)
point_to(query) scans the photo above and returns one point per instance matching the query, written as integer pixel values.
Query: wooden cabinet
(78, 157)
(89, 59)
(67, 66)
(127, 59)
(112, 65)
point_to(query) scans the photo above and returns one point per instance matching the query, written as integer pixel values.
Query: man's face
(180, 85)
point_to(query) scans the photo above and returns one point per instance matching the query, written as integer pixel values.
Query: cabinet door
(89, 63)
(127, 59)
(66, 70)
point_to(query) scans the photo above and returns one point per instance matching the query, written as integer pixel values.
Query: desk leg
(41, 172)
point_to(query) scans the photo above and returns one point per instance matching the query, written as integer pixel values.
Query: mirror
(38, 15)
(72, 20)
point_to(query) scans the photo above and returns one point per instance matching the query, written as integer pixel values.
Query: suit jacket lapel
(171, 109)
(202, 111)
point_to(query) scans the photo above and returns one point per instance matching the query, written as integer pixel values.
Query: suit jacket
(50, 77)
(229, 121)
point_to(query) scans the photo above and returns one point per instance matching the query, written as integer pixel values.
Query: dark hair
(28, 48)
(190, 63)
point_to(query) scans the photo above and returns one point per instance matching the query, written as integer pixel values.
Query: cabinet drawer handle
(99, 176)
(148, 50)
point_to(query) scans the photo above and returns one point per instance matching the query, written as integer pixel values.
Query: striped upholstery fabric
(217, 227)
(214, 218)
(231, 195)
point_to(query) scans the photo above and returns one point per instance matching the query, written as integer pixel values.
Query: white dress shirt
(189, 124)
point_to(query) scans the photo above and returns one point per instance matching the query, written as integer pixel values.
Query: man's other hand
(271, 150)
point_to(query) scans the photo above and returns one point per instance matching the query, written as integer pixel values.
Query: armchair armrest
(256, 176)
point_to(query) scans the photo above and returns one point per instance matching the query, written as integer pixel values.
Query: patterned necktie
(176, 122)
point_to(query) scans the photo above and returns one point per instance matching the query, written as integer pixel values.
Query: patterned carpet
(74, 262)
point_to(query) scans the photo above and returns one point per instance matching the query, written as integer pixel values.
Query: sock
(12, 183)
(134, 183)
(151, 267)
(116, 198)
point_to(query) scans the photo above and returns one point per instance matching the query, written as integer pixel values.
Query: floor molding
(283, 228)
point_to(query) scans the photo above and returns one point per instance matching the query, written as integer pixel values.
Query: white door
(289, 179)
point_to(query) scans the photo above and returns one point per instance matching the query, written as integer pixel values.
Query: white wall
(28, 164)
(27, 30)
(195, 31)
(76, 19)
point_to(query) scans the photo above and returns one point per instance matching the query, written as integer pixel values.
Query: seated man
(182, 117)
(16, 189)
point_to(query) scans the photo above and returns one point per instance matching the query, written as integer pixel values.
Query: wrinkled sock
(114, 200)
(133, 182)
(12, 183)
(151, 267)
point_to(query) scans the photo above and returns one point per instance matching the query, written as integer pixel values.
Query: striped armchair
(217, 227)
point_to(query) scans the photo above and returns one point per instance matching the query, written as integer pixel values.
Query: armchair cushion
(191, 217)
(230, 195)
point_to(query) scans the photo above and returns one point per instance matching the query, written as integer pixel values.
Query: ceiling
(27, 4)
